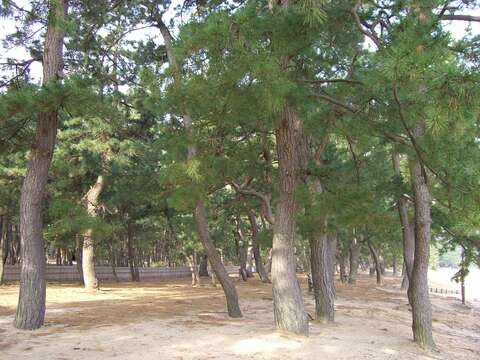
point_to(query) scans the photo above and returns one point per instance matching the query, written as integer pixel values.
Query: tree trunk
(408, 231)
(242, 252)
(88, 251)
(78, 256)
(256, 248)
(418, 289)
(3, 235)
(268, 264)
(31, 303)
(343, 268)
(203, 268)
(394, 266)
(192, 262)
(322, 280)
(404, 285)
(215, 261)
(289, 309)
(132, 263)
(200, 213)
(113, 261)
(376, 261)
(354, 258)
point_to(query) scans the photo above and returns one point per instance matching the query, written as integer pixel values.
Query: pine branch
(266, 198)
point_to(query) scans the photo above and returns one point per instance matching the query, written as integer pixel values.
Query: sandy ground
(172, 320)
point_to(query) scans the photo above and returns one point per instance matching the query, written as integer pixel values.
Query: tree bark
(343, 268)
(289, 309)
(88, 250)
(203, 268)
(31, 303)
(256, 248)
(408, 231)
(376, 261)
(322, 281)
(241, 251)
(354, 258)
(418, 289)
(132, 263)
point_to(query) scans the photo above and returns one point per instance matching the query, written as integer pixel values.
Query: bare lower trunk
(203, 268)
(88, 262)
(78, 256)
(408, 230)
(88, 250)
(192, 262)
(376, 261)
(404, 285)
(241, 251)
(354, 258)
(31, 303)
(418, 289)
(268, 264)
(322, 281)
(256, 248)
(132, 263)
(289, 309)
(343, 268)
(215, 261)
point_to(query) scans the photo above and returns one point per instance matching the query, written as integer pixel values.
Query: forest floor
(172, 320)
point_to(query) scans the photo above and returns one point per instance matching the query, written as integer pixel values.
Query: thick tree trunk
(354, 258)
(200, 211)
(322, 281)
(376, 261)
(88, 250)
(289, 309)
(31, 303)
(418, 289)
(256, 248)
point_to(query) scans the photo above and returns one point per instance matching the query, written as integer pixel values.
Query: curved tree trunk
(31, 303)
(289, 309)
(376, 261)
(256, 248)
(354, 258)
(88, 248)
(200, 213)
(418, 289)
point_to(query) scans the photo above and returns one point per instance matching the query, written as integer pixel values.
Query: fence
(443, 291)
(70, 273)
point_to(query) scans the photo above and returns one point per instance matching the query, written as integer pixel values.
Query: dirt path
(171, 320)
